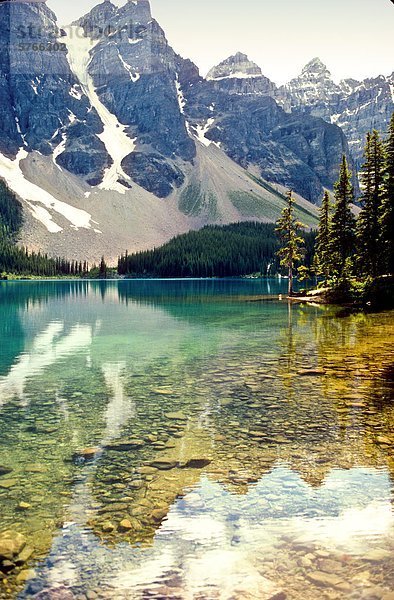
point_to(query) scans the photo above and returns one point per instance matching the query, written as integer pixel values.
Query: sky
(354, 38)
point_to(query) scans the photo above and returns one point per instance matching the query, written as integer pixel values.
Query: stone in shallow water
(6, 484)
(108, 527)
(11, 544)
(378, 555)
(197, 463)
(25, 576)
(5, 470)
(311, 372)
(89, 453)
(159, 514)
(384, 441)
(148, 470)
(126, 445)
(125, 526)
(35, 469)
(164, 465)
(325, 579)
(176, 416)
(24, 506)
(328, 565)
(59, 593)
(24, 556)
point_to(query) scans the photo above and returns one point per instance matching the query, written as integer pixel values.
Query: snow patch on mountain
(236, 75)
(202, 130)
(181, 97)
(59, 149)
(133, 75)
(34, 197)
(117, 143)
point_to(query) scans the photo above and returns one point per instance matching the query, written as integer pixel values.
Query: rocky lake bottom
(181, 440)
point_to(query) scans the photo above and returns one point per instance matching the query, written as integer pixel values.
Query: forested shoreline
(354, 255)
(347, 254)
(239, 249)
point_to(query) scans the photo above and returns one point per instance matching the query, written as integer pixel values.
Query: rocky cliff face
(295, 150)
(40, 100)
(132, 72)
(355, 106)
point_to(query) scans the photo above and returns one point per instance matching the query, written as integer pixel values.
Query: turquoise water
(193, 440)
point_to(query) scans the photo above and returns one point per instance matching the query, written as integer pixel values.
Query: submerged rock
(24, 556)
(176, 416)
(85, 455)
(25, 576)
(164, 464)
(6, 484)
(58, 593)
(125, 526)
(196, 463)
(326, 579)
(311, 372)
(108, 527)
(24, 506)
(159, 514)
(125, 445)
(384, 441)
(11, 544)
(5, 470)
(377, 555)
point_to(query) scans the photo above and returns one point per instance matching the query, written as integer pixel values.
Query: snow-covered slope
(117, 143)
(43, 206)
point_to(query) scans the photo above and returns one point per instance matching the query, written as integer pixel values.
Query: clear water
(245, 446)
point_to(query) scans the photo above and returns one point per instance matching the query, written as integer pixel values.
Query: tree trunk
(290, 280)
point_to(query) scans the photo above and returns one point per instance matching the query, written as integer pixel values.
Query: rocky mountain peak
(139, 10)
(316, 68)
(237, 66)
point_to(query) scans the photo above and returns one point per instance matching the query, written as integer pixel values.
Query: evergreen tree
(103, 269)
(369, 251)
(288, 229)
(342, 236)
(387, 208)
(322, 261)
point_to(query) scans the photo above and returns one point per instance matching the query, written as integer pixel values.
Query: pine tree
(288, 228)
(387, 208)
(103, 269)
(342, 238)
(322, 261)
(368, 231)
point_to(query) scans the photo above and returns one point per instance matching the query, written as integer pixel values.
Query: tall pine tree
(288, 229)
(369, 250)
(322, 261)
(387, 209)
(342, 238)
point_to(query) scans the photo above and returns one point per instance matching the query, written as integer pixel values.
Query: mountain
(235, 108)
(238, 75)
(113, 141)
(355, 106)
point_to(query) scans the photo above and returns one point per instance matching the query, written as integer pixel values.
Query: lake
(193, 440)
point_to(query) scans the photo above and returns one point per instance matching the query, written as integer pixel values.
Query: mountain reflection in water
(176, 440)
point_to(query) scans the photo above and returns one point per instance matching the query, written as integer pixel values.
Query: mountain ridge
(130, 127)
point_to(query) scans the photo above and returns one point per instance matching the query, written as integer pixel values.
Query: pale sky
(354, 38)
